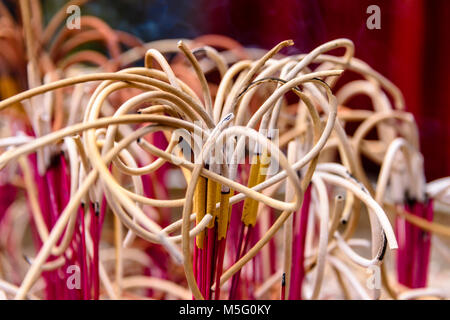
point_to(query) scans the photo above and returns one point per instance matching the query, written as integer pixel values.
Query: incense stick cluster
(214, 171)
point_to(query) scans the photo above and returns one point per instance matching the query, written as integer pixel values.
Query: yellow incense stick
(224, 214)
(248, 214)
(211, 200)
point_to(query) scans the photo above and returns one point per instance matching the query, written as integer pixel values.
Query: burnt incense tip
(199, 52)
(27, 259)
(409, 199)
(54, 161)
(289, 42)
(97, 208)
(383, 249)
(344, 221)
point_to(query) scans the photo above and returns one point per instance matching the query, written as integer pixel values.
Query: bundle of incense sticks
(413, 255)
(257, 150)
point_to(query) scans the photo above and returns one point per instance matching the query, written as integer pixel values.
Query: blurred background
(411, 48)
